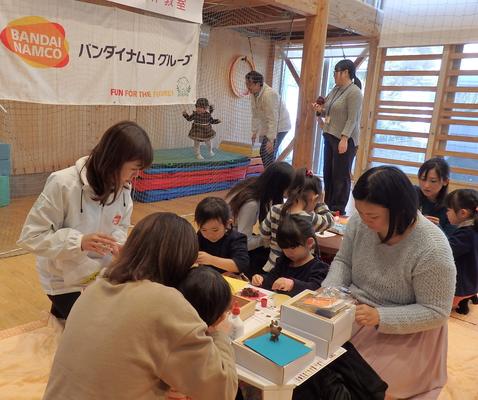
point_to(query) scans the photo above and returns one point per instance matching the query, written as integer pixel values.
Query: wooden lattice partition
(424, 104)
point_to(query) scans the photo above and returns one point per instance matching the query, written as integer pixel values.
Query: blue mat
(158, 195)
(282, 352)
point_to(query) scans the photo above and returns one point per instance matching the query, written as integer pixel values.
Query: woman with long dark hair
(251, 200)
(433, 180)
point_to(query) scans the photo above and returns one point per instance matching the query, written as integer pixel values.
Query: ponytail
(348, 65)
(303, 182)
(464, 199)
(357, 82)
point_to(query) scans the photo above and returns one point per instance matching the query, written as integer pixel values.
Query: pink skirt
(413, 365)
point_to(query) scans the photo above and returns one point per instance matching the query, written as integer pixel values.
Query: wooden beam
(401, 133)
(383, 110)
(414, 57)
(408, 88)
(301, 7)
(292, 69)
(286, 151)
(396, 162)
(394, 103)
(355, 16)
(265, 23)
(310, 79)
(229, 5)
(371, 98)
(361, 58)
(412, 149)
(459, 154)
(411, 73)
(366, 114)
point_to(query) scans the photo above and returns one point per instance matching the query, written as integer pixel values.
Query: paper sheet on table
(236, 284)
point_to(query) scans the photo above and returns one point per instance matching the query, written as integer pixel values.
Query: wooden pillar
(441, 96)
(310, 80)
(367, 110)
(368, 119)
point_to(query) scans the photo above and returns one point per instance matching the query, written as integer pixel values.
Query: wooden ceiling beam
(301, 7)
(355, 16)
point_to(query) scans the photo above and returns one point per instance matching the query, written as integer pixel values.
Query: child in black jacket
(298, 268)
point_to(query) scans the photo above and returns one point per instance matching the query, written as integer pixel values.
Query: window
(417, 116)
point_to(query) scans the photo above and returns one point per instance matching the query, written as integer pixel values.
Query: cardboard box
(328, 334)
(247, 306)
(264, 367)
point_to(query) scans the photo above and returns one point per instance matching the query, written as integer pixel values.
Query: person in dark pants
(268, 157)
(337, 172)
(339, 117)
(270, 118)
(81, 218)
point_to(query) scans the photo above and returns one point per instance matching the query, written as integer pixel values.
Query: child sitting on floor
(210, 294)
(297, 269)
(220, 246)
(304, 197)
(463, 212)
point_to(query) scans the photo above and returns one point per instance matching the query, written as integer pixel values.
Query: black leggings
(62, 303)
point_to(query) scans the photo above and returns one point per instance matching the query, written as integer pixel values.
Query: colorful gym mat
(177, 173)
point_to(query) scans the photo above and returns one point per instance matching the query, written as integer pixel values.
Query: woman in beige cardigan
(132, 335)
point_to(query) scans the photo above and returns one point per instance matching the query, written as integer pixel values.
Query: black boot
(474, 299)
(463, 307)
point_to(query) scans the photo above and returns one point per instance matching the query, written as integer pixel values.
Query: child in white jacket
(82, 216)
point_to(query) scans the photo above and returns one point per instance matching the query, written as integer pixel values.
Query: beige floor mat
(27, 353)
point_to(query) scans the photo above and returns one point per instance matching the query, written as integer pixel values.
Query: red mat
(180, 179)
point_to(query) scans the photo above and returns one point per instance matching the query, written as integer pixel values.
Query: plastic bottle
(337, 217)
(237, 325)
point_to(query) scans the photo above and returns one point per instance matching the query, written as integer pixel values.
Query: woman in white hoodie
(81, 218)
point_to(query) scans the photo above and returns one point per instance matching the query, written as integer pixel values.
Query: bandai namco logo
(37, 41)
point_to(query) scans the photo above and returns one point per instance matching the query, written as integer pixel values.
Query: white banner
(189, 10)
(69, 52)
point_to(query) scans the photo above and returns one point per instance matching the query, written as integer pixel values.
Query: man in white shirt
(270, 118)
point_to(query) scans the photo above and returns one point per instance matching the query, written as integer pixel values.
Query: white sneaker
(212, 154)
(199, 157)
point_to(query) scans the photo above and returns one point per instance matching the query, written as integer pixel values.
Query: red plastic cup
(264, 302)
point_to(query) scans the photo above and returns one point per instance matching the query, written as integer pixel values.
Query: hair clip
(309, 173)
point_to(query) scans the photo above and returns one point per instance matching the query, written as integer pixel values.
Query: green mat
(185, 157)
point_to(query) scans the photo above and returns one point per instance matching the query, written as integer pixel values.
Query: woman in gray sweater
(339, 117)
(399, 267)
